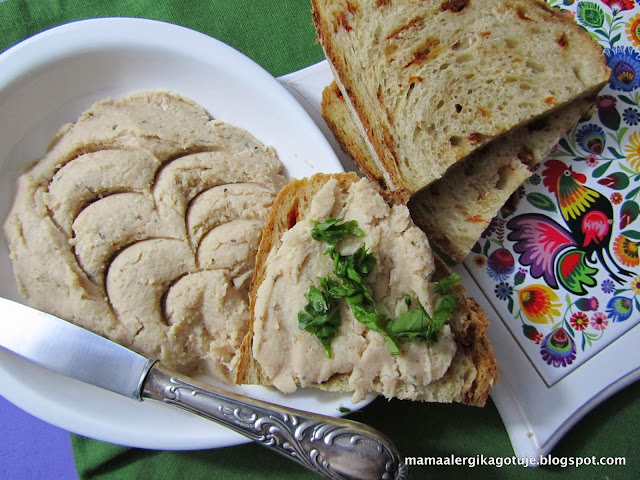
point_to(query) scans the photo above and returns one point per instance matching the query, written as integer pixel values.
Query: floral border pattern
(561, 260)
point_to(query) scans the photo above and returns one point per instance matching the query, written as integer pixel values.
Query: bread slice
(472, 370)
(432, 81)
(455, 209)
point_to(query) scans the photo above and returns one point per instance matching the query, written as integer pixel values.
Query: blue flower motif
(619, 308)
(503, 291)
(608, 286)
(535, 179)
(625, 68)
(591, 138)
(631, 116)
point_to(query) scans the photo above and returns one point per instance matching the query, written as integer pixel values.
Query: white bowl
(48, 80)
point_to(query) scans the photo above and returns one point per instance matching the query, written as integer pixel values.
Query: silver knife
(334, 447)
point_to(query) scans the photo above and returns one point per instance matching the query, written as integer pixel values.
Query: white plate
(49, 80)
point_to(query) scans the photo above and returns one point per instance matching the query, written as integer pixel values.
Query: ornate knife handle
(334, 447)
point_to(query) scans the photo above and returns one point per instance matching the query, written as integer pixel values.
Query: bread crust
(353, 145)
(468, 323)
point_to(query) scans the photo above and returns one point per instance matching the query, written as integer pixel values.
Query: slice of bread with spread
(431, 81)
(368, 351)
(455, 209)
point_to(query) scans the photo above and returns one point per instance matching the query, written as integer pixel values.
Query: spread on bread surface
(347, 282)
(290, 357)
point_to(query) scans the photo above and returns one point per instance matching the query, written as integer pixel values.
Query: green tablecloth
(280, 37)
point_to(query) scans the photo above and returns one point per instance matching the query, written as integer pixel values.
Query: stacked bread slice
(456, 209)
(462, 96)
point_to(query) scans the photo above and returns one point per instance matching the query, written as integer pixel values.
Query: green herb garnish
(446, 284)
(418, 325)
(321, 316)
(332, 231)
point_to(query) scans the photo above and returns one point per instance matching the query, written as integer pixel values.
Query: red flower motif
(592, 160)
(579, 321)
(480, 261)
(599, 321)
(616, 198)
(620, 5)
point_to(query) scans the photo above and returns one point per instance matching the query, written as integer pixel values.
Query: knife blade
(336, 448)
(71, 351)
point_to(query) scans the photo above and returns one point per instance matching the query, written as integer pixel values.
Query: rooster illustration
(561, 255)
